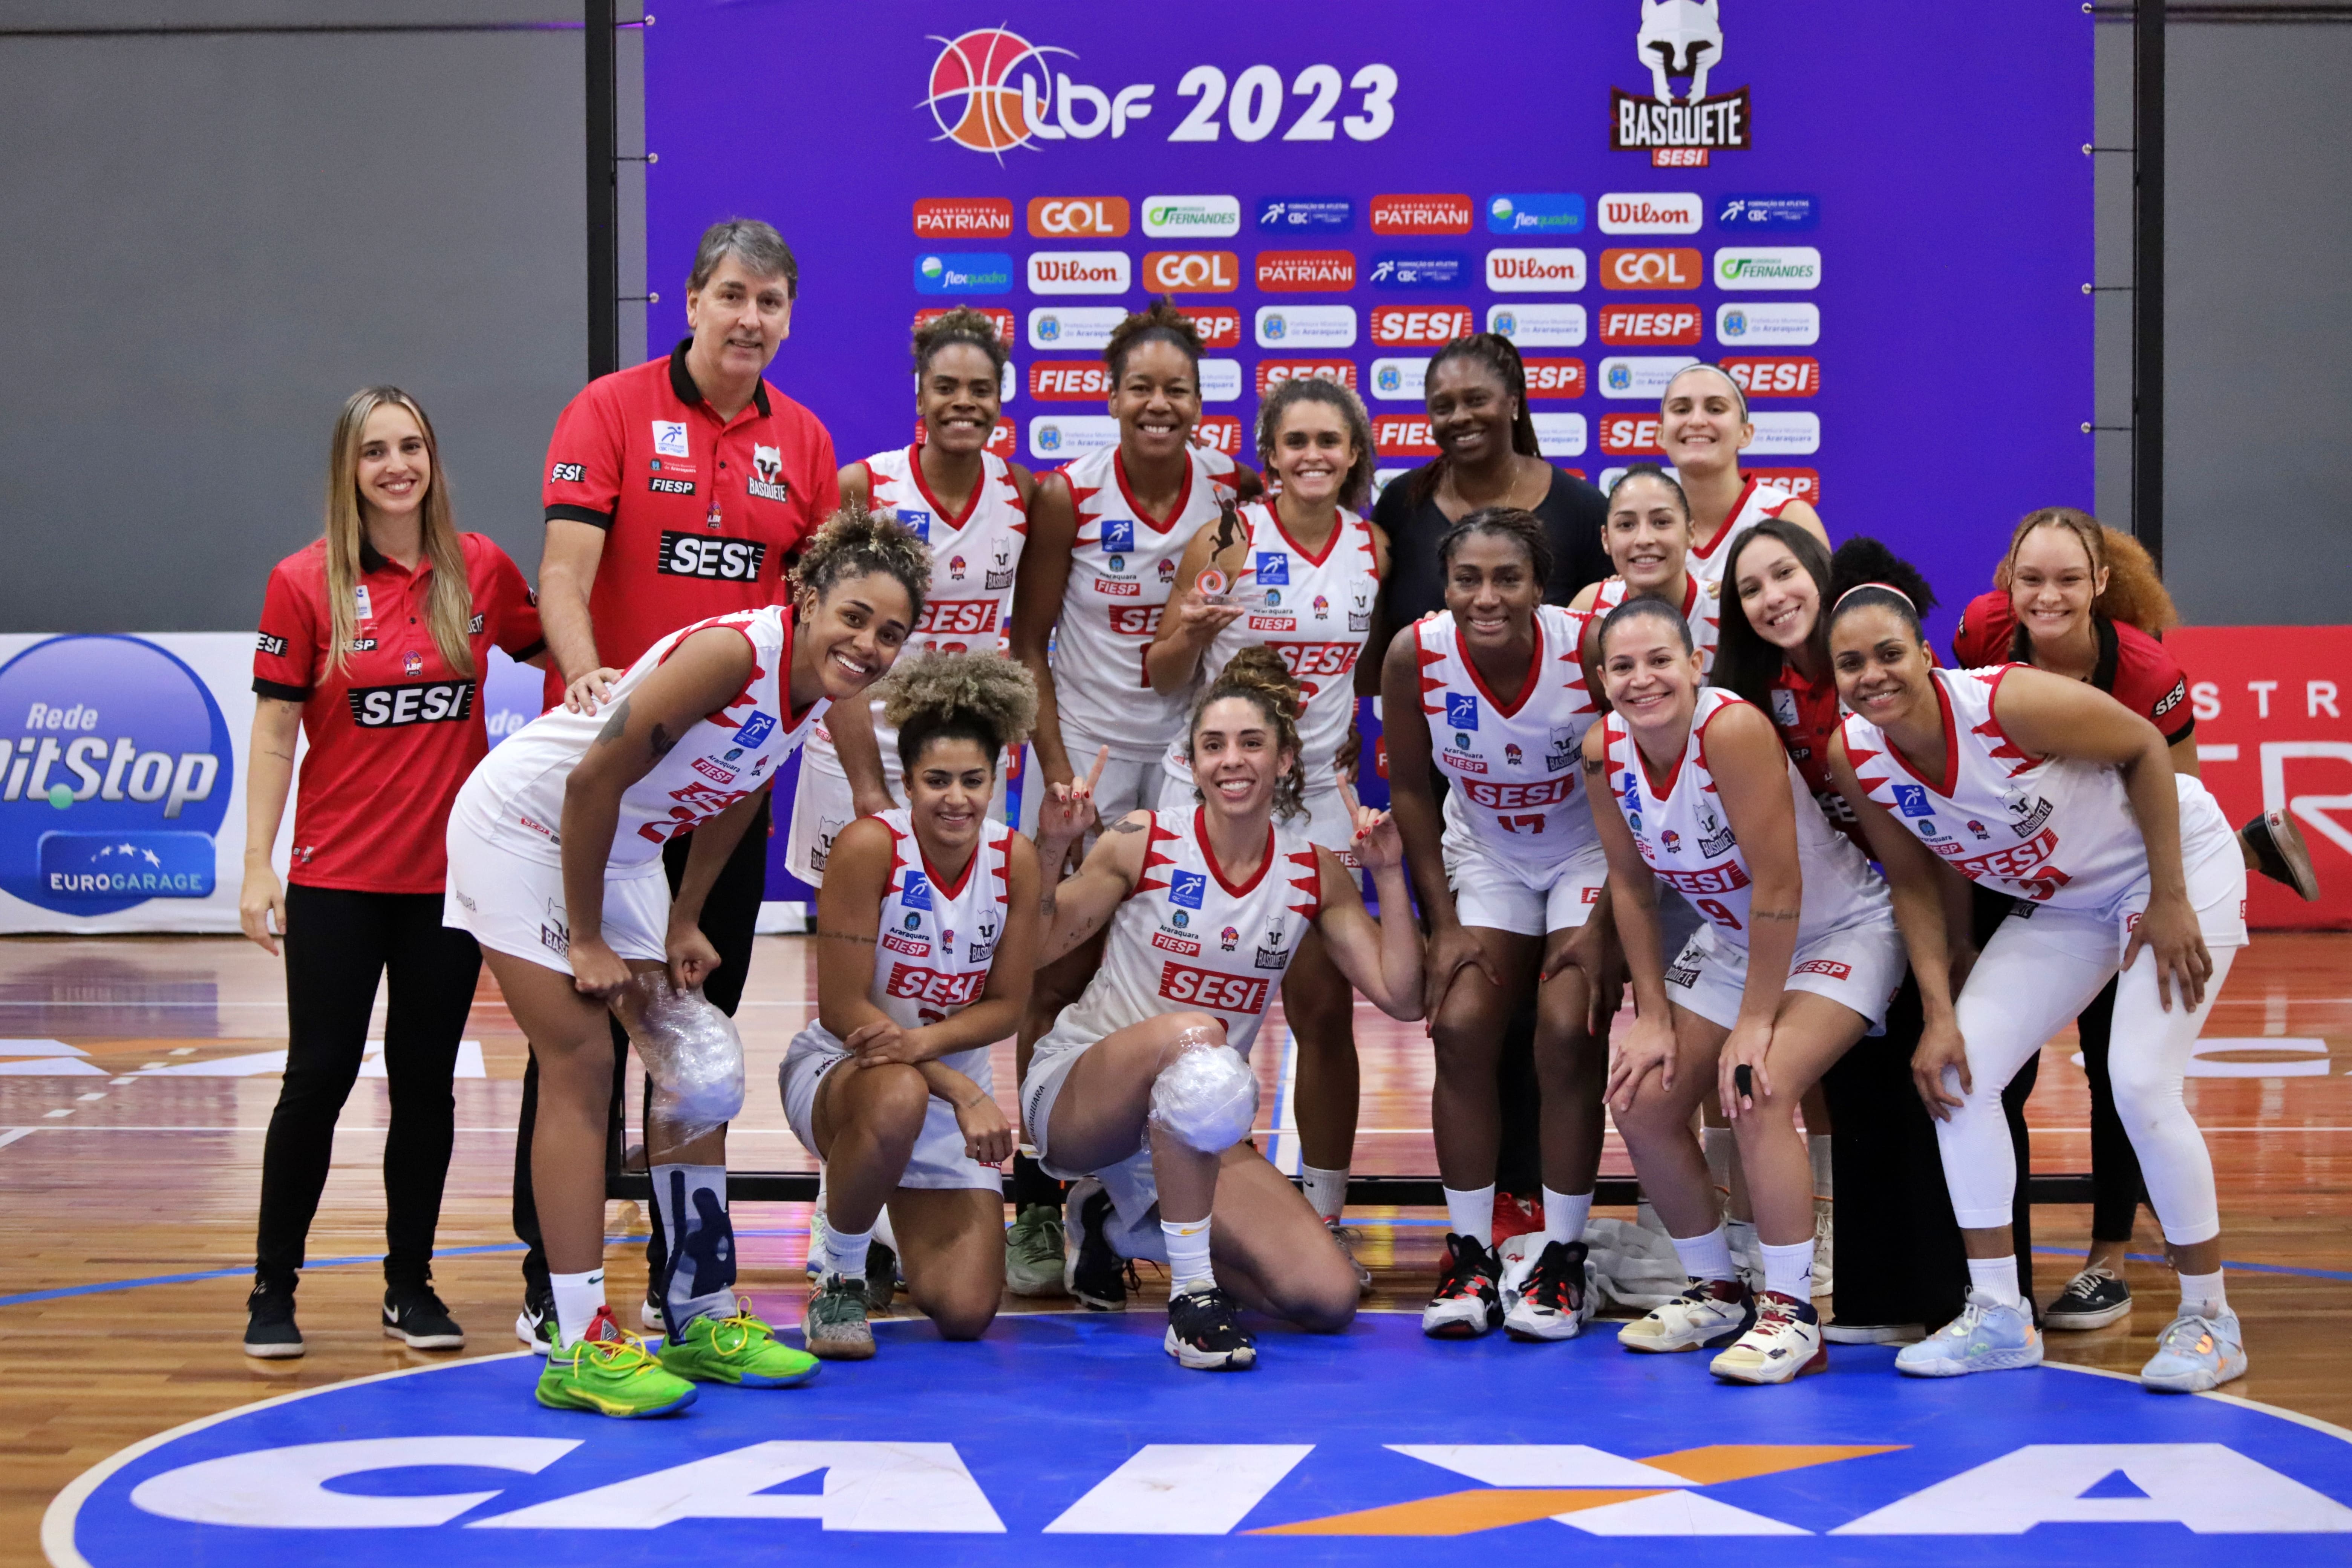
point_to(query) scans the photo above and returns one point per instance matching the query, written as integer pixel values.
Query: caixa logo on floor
(117, 774)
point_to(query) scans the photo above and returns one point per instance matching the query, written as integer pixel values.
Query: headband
(1887, 587)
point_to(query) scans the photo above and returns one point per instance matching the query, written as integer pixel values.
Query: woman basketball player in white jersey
(1144, 1083)
(1511, 879)
(1298, 574)
(1648, 532)
(927, 927)
(1703, 426)
(972, 508)
(1105, 533)
(1797, 957)
(2055, 793)
(555, 867)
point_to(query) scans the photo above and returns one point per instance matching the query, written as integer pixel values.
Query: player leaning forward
(1144, 1083)
(555, 867)
(2053, 792)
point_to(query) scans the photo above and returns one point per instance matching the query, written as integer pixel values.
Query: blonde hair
(2135, 593)
(982, 697)
(1257, 675)
(449, 602)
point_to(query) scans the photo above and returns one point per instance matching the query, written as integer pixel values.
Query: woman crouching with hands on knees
(1798, 958)
(928, 929)
(2043, 788)
(1144, 1085)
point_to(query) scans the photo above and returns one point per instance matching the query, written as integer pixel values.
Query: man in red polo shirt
(674, 491)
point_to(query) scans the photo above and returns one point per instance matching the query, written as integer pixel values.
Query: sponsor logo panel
(1218, 432)
(1191, 271)
(1625, 435)
(1402, 435)
(1555, 377)
(1305, 271)
(1273, 373)
(1805, 484)
(1078, 272)
(1398, 380)
(1768, 267)
(965, 217)
(963, 272)
(1539, 326)
(1651, 212)
(1399, 326)
(1535, 212)
(1421, 214)
(1646, 267)
(1548, 270)
(1191, 217)
(1445, 271)
(1767, 324)
(1078, 218)
(1076, 328)
(1069, 381)
(1221, 380)
(1559, 434)
(1001, 319)
(1783, 213)
(1775, 375)
(1058, 437)
(1632, 325)
(1306, 214)
(1220, 327)
(1640, 376)
(1305, 326)
(1786, 435)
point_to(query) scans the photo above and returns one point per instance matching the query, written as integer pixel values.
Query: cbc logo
(1191, 271)
(1092, 217)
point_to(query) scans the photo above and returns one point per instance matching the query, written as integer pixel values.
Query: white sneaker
(1825, 1247)
(1987, 1336)
(650, 1314)
(2198, 1351)
(1785, 1343)
(1710, 1314)
(1467, 1301)
(1549, 1295)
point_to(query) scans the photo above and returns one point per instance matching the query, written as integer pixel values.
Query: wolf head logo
(1679, 39)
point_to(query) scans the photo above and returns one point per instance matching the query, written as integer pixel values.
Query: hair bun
(1261, 669)
(997, 690)
(1862, 560)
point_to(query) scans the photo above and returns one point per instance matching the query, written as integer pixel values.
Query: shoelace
(2086, 1281)
(626, 1355)
(2189, 1328)
(1550, 1287)
(740, 1324)
(1461, 1277)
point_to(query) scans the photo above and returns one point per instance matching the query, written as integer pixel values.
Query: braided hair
(1257, 675)
(1501, 358)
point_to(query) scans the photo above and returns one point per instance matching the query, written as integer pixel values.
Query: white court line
(1268, 1132)
(14, 1133)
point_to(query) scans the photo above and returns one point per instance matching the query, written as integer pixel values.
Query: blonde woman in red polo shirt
(374, 642)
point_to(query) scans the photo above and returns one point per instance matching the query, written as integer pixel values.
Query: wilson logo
(1559, 271)
(1651, 212)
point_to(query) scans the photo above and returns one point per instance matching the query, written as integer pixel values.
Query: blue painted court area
(1057, 1434)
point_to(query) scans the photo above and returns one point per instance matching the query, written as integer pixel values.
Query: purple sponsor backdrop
(1937, 151)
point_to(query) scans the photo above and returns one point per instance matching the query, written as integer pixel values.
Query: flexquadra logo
(116, 767)
(1680, 40)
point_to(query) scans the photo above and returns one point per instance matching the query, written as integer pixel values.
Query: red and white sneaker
(1515, 1215)
(1468, 1300)
(1709, 1315)
(1785, 1343)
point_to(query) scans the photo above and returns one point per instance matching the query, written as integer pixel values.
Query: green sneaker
(611, 1373)
(835, 1327)
(1033, 1252)
(741, 1350)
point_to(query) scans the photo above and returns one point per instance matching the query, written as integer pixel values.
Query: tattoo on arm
(662, 742)
(1774, 914)
(1045, 906)
(1595, 766)
(866, 937)
(1123, 826)
(615, 725)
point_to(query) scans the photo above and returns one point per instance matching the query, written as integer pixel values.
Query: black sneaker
(413, 1315)
(1097, 1276)
(1468, 1300)
(1553, 1299)
(269, 1331)
(1202, 1335)
(881, 1277)
(2092, 1300)
(535, 1324)
(2281, 854)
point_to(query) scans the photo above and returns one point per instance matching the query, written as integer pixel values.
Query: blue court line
(2227, 1263)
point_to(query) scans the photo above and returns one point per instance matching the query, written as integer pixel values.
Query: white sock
(1817, 1150)
(1789, 1270)
(1743, 1243)
(2203, 1291)
(1471, 1212)
(1722, 1148)
(1706, 1256)
(845, 1251)
(1188, 1255)
(578, 1298)
(1565, 1216)
(1327, 1191)
(1997, 1277)
(882, 1231)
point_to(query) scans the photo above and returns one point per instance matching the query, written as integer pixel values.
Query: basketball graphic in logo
(977, 98)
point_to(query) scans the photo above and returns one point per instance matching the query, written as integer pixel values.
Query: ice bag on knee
(691, 1053)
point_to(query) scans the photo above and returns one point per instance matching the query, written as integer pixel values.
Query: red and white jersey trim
(938, 939)
(1513, 764)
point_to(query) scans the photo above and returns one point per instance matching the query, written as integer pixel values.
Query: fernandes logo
(1679, 40)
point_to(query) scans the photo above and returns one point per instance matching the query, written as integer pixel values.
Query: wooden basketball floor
(136, 1081)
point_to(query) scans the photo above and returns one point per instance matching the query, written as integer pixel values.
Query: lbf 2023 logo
(1679, 40)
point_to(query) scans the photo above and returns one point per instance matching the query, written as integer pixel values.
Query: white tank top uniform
(1757, 501)
(1521, 853)
(1316, 617)
(1185, 938)
(1848, 949)
(1698, 608)
(2054, 832)
(974, 558)
(506, 856)
(936, 945)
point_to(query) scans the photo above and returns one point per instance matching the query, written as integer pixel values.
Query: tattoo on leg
(662, 742)
(613, 726)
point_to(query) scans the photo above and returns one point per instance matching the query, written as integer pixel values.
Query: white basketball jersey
(937, 941)
(1186, 936)
(1317, 626)
(974, 557)
(1512, 764)
(1697, 608)
(1683, 836)
(2056, 831)
(1122, 571)
(516, 795)
(1757, 501)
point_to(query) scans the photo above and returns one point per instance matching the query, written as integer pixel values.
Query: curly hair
(1863, 573)
(1257, 675)
(1501, 357)
(2135, 595)
(1524, 529)
(985, 697)
(1356, 487)
(857, 543)
(1157, 322)
(961, 325)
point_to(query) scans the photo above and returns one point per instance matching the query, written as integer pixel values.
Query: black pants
(338, 943)
(2116, 1189)
(728, 917)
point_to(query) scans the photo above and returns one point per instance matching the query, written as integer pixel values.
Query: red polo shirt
(2133, 667)
(394, 731)
(700, 511)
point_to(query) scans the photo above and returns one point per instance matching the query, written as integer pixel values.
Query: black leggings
(728, 917)
(338, 943)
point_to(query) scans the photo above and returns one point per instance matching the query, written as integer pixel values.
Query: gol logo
(1305, 271)
(1648, 268)
(1002, 440)
(1069, 381)
(1219, 433)
(1191, 271)
(1402, 435)
(1636, 325)
(1805, 484)
(1776, 375)
(1063, 218)
(1401, 325)
(1555, 377)
(1625, 433)
(1001, 319)
(1421, 214)
(977, 217)
(1273, 373)
(973, 98)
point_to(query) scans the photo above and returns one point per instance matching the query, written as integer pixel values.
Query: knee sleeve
(1205, 1096)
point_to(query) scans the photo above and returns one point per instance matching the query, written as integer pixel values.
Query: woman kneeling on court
(1797, 957)
(1144, 1085)
(928, 921)
(555, 867)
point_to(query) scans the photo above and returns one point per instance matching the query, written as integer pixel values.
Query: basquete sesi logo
(117, 777)
(1679, 40)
